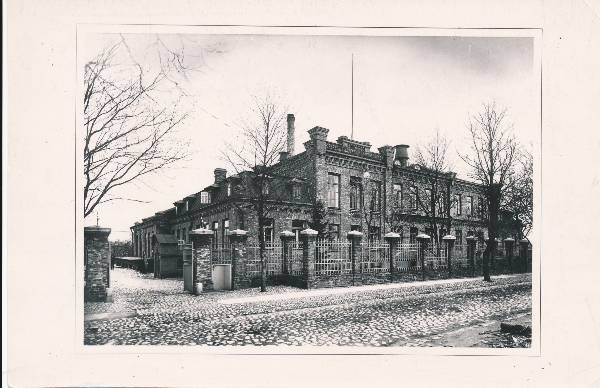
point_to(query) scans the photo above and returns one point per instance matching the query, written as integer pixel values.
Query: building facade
(373, 192)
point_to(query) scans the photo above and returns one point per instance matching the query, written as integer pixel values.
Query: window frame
(330, 190)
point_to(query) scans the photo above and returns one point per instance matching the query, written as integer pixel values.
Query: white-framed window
(457, 205)
(469, 205)
(205, 197)
(229, 189)
(333, 190)
(268, 231)
(187, 205)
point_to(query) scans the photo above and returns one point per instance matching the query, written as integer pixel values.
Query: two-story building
(374, 192)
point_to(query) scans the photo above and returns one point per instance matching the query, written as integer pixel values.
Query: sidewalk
(355, 289)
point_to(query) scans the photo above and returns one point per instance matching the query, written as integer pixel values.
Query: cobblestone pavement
(406, 316)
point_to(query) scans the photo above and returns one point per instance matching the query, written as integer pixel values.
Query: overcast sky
(404, 88)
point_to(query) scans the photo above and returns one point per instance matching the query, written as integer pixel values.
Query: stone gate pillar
(97, 264)
(423, 239)
(239, 256)
(287, 238)
(355, 238)
(393, 239)
(449, 240)
(308, 237)
(471, 241)
(201, 260)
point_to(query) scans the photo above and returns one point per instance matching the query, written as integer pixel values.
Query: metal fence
(374, 257)
(332, 258)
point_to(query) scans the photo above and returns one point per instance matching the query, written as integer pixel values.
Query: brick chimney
(290, 133)
(220, 175)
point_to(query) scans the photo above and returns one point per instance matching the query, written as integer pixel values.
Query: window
(413, 196)
(469, 206)
(184, 235)
(265, 188)
(397, 192)
(229, 189)
(356, 228)
(225, 232)
(441, 203)
(205, 197)
(355, 193)
(413, 235)
(333, 190)
(459, 237)
(427, 200)
(187, 205)
(268, 231)
(215, 228)
(457, 205)
(375, 196)
(334, 232)
(296, 191)
(297, 226)
(374, 233)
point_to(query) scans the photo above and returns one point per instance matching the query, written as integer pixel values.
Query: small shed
(168, 259)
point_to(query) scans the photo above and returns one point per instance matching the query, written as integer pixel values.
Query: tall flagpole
(352, 132)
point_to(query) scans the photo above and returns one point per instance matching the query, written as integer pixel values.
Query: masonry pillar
(449, 240)
(308, 237)
(523, 248)
(355, 238)
(286, 247)
(238, 239)
(508, 249)
(471, 241)
(423, 239)
(393, 239)
(97, 264)
(201, 260)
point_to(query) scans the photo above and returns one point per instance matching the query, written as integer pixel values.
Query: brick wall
(97, 263)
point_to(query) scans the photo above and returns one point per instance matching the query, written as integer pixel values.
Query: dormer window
(229, 189)
(187, 205)
(205, 197)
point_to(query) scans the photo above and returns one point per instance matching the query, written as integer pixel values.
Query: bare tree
(433, 158)
(128, 130)
(262, 138)
(518, 197)
(490, 162)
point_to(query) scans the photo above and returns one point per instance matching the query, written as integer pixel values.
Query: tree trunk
(493, 206)
(261, 245)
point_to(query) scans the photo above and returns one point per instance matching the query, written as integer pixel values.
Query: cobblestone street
(150, 311)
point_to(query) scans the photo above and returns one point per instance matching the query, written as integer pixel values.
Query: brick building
(374, 192)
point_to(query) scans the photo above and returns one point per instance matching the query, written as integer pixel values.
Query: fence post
(423, 240)
(97, 268)
(355, 237)
(508, 248)
(308, 237)
(392, 239)
(201, 259)
(471, 241)
(449, 240)
(524, 245)
(286, 245)
(239, 255)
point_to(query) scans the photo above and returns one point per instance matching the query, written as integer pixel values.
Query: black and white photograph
(284, 193)
(293, 188)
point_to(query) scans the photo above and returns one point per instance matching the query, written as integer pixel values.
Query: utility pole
(352, 131)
